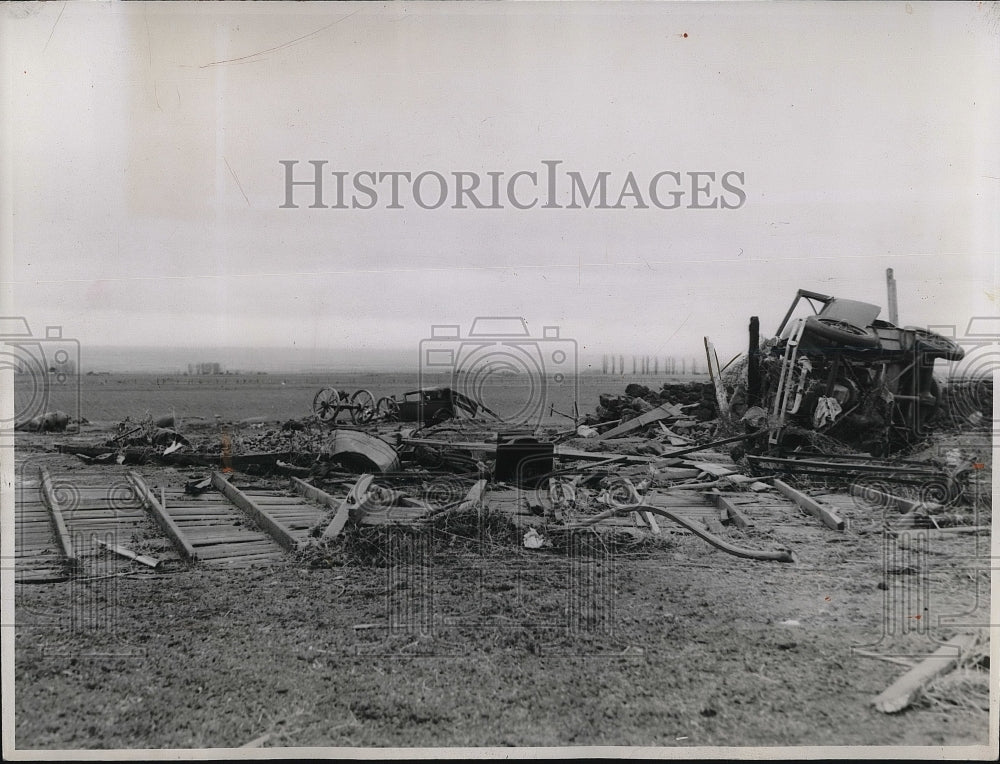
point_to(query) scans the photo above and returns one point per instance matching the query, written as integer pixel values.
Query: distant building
(202, 369)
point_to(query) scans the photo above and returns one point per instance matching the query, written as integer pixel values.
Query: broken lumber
(354, 497)
(150, 562)
(904, 505)
(732, 511)
(490, 449)
(905, 690)
(264, 521)
(713, 469)
(650, 520)
(474, 498)
(713, 444)
(165, 521)
(55, 513)
(828, 517)
(663, 411)
(313, 493)
(645, 515)
(721, 400)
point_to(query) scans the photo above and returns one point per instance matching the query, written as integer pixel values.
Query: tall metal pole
(890, 283)
(753, 363)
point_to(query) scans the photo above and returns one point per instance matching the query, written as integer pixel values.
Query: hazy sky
(143, 145)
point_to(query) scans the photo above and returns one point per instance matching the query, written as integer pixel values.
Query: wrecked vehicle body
(844, 372)
(431, 405)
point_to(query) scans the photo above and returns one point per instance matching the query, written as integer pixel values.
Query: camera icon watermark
(921, 558)
(968, 390)
(63, 529)
(45, 371)
(498, 364)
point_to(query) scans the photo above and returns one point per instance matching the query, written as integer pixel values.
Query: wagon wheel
(362, 407)
(387, 409)
(327, 404)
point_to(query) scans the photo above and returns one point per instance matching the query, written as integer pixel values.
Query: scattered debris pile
(837, 422)
(695, 399)
(836, 399)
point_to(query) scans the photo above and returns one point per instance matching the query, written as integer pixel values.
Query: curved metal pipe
(777, 555)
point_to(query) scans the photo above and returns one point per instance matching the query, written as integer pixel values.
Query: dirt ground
(435, 639)
(668, 643)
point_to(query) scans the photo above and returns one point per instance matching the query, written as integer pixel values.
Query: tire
(362, 407)
(387, 409)
(326, 404)
(841, 333)
(442, 415)
(937, 345)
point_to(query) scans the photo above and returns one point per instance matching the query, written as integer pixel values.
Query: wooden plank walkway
(292, 511)
(220, 533)
(101, 505)
(37, 554)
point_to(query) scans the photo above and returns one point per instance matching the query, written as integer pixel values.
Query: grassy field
(112, 397)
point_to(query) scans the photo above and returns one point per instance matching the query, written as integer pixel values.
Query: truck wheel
(841, 333)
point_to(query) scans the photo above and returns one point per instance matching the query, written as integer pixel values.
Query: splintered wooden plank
(350, 507)
(648, 519)
(57, 519)
(475, 496)
(268, 524)
(716, 375)
(313, 493)
(164, 520)
(732, 511)
(560, 451)
(150, 562)
(663, 411)
(904, 690)
(644, 516)
(715, 470)
(829, 518)
(904, 505)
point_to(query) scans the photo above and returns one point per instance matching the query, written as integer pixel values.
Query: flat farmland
(232, 397)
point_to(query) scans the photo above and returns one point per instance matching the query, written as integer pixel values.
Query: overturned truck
(844, 372)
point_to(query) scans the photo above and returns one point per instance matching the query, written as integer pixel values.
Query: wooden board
(353, 499)
(268, 524)
(828, 517)
(904, 690)
(62, 534)
(735, 515)
(663, 411)
(161, 517)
